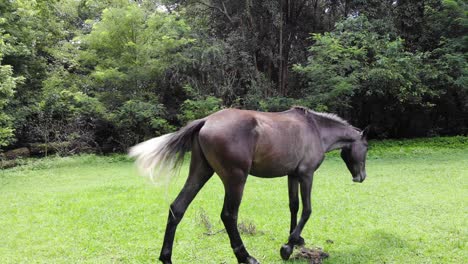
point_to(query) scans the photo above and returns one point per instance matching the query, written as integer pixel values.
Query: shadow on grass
(377, 247)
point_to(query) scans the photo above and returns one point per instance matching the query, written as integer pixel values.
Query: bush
(68, 119)
(196, 109)
(136, 121)
(67, 105)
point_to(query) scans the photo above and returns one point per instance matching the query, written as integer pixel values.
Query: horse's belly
(267, 173)
(271, 169)
(275, 158)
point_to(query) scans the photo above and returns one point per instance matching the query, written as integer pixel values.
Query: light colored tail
(161, 157)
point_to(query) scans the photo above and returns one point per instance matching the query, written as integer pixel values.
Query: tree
(121, 71)
(264, 38)
(450, 24)
(133, 55)
(129, 51)
(7, 88)
(367, 76)
(31, 29)
(7, 85)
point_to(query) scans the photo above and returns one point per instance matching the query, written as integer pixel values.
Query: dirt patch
(313, 255)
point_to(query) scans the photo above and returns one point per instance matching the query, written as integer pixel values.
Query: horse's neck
(337, 137)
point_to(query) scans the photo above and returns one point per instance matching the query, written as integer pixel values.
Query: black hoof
(252, 260)
(286, 251)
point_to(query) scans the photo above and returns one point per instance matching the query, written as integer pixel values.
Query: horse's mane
(330, 116)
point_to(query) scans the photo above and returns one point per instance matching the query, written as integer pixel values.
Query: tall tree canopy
(112, 73)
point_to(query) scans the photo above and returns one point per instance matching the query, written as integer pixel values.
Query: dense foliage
(108, 74)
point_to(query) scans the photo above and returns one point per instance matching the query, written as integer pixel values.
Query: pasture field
(412, 208)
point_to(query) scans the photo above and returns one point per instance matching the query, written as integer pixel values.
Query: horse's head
(354, 155)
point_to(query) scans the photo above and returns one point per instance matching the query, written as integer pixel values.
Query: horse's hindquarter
(227, 140)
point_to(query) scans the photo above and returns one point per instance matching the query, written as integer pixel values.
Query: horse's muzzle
(359, 178)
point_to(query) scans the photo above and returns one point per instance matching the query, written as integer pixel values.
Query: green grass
(91, 209)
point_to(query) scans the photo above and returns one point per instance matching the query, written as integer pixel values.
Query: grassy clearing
(90, 209)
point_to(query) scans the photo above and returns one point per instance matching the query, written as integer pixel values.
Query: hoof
(286, 251)
(252, 260)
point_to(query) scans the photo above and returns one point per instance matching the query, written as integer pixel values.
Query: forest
(107, 74)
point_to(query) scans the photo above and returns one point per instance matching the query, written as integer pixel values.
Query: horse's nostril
(362, 177)
(359, 178)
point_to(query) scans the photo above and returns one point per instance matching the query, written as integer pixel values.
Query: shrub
(136, 121)
(196, 109)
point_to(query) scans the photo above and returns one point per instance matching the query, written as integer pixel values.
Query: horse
(236, 143)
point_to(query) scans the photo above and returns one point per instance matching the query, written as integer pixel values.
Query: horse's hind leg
(200, 173)
(234, 187)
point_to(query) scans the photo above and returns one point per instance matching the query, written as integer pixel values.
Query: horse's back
(264, 144)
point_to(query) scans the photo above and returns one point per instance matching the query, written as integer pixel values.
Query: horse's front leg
(293, 184)
(295, 236)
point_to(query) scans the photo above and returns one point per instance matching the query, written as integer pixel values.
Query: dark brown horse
(235, 143)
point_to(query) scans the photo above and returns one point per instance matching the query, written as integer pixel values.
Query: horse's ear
(365, 132)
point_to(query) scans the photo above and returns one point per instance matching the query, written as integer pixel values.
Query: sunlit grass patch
(94, 209)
